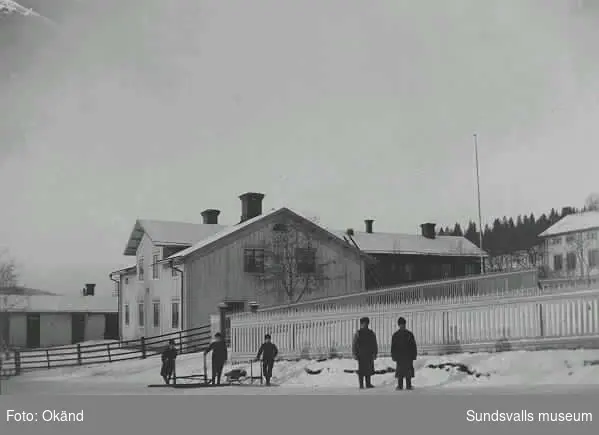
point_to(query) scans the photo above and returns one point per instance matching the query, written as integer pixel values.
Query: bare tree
(8, 280)
(291, 265)
(592, 202)
(582, 246)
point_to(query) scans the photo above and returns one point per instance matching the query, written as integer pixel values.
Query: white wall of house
(17, 329)
(583, 246)
(55, 329)
(150, 294)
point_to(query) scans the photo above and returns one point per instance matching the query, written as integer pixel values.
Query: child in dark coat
(219, 355)
(365, 350)
(404, 353)
(269, 352)
(168, 362)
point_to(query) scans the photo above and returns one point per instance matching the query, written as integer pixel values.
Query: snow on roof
(573, 223)
(369, 243)
(394, 243)
(61, 304)
(169, 233)
(225, 232)
(125, 270)
(23, 291)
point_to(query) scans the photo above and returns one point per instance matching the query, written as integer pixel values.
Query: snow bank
(484, 369)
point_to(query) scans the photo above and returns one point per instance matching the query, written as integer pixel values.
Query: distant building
(183, 271)
(32, 318)
(572, 246)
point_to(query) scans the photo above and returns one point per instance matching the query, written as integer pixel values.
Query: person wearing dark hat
(219, 356)
(365, 350)
(168, 361)
(268, 351)
(404, 353)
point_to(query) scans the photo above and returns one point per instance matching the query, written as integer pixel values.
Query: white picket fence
(532, 319)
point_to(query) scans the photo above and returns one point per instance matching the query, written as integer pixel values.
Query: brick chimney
(369, 223)
(210, 216)
(89, 290)
(428, 230)
(251, 205)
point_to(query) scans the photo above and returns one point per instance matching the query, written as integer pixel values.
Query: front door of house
(77, 328)
(33, 330)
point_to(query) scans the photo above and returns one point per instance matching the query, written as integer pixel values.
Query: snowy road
(34, 387)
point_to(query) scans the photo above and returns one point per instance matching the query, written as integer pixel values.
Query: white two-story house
(151, 293)
(572, 246)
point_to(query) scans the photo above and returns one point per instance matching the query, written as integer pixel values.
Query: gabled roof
(166, 233)
(394, 243)
(234, 229)
(573, 223)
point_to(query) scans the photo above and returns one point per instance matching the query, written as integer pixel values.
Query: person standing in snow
(365, 350)
(168, 362)
(404, 353)
(219, 355)
(268, 351)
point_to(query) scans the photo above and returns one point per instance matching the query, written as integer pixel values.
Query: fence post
(17, 362)
(180, 341)
(108, 350)
(541, 321)
(79, 354)
(174, 372)
(48, 357)
(143, 347)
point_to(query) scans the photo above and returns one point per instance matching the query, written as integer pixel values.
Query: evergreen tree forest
(508, 235)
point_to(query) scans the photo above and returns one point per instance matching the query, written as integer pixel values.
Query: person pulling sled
(168, 362)
(219, 356)
(404, 352)
(365, 350)
(268, 351)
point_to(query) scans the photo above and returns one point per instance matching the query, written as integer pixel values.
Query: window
(592, 235)
(558, 262)
(156, 314)
(306, 260)
(140, 313)
(409, 271)
(556, 241)
(127, 315)
(140, 268)
(279, 228)
(570, 238)
(571, 261)
(593, 258)
(254, 261)
(471, 268)
(155, 268)
(126, 280)
(446, 270)
(175, 315)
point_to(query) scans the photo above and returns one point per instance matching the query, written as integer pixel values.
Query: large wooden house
(183, 271)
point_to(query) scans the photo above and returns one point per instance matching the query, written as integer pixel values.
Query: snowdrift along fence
(187, 341)
(516, 321)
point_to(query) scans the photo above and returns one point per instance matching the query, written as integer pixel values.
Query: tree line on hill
(507, 235)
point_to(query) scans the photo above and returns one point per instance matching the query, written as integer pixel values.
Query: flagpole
(480, 219)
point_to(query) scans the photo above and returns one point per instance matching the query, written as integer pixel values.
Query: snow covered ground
(506, 372)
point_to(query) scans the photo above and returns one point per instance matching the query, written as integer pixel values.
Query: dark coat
(168, 361)
(365, 350)
(404, 352)
(219, 351)
(268, 351)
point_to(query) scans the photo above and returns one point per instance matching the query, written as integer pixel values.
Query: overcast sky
(342, 109)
